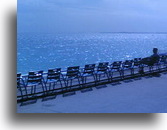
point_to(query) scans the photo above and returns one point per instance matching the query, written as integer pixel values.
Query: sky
(59, 16)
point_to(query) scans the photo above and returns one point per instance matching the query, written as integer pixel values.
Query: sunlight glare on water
(44, 51)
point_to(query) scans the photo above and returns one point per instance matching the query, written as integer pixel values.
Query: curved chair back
(103, 66)
(136, 61)
(128, 64)
(89, 69)
(72, 71)
(54, 74)
(116, 65)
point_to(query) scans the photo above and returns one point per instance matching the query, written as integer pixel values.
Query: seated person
(150, 61)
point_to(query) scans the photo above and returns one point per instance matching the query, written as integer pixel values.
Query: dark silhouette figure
(150, 61)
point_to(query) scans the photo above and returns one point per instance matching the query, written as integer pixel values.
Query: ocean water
(44, 51)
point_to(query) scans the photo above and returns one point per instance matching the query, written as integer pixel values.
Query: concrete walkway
(140, 95)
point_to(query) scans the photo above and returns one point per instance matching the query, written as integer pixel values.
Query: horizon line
(94, 32)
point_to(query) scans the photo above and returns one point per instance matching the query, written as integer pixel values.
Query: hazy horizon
(94, 16)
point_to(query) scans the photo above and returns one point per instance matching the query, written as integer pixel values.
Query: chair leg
(132, 71)
(55, 83)
(85, 79)
(82, 79)
(35, 89)
(32, 89)
(150, 69)
(49, 86)
(79, 82)
(19, 89)
(120, 73)
(66, 84)
(26, 91)
(123, 75)
(94, 79)
(111, 74)
(44, 88)
(70, 84)
(61, 84)
(108, 77)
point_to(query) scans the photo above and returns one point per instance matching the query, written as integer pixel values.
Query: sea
(43, 51)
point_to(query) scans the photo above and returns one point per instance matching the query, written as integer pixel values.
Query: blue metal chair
(137, 64)
(116, 67)
(89, 71)
(163, 62)
(21, 86)
(53, 77)
(147, 65)
(102, 69)
(127, 65)
(72, 74)
(35, 79)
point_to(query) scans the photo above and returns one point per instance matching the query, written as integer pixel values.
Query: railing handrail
(82, 68)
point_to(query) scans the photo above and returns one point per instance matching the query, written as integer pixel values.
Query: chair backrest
(89, 68)
(163, 59)
(54, 73)
(18, 75)
(34, 77)
(58, 70)
(136, 61)
(18, 79)
(40, 72)
(128, 64)
(72, 71)
(116, 65)
(103, 66)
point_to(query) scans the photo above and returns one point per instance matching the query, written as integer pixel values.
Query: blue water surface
(44, 51)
